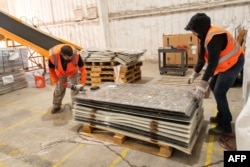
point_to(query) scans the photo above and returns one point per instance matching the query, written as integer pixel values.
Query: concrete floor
(30, 136)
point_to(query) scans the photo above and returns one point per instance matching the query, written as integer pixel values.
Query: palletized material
(162, 114)
(12, 64)
(19, 81)
(13, 59)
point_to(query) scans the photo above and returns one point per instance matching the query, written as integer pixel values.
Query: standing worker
(64, 63)
(225, 59)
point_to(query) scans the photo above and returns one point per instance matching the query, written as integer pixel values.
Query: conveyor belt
(12, 28)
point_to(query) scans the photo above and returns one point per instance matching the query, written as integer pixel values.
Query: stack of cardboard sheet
(12, 63)
(154, 113)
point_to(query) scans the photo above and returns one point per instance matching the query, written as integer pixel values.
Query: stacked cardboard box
(189, 41)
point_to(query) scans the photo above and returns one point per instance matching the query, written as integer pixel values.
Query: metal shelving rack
(164, 67)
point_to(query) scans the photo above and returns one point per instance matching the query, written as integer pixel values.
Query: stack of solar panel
(156, 113)
(12, 63)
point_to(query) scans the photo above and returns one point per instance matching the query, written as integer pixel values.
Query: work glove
(201, 89)
(78, 87)
(192, 77)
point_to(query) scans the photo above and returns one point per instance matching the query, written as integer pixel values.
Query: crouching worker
(64, 64)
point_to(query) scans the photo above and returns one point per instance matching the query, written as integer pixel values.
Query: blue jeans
(219, 85)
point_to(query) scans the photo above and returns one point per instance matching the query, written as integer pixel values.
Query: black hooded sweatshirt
(200, 23)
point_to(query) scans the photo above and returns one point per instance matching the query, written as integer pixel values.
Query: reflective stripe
(212, 34)
(54, 58)
(231, 53)
(74, 57)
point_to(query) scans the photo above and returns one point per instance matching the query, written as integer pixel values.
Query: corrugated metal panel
(57, 17)
(120, 6)
(49, 11)
(4, 6)
(146, 31)
(29, 9)
(86, 35)
(132, 23)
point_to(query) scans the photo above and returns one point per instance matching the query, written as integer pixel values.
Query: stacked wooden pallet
(131, 73)
(99, 72)
(112, 66)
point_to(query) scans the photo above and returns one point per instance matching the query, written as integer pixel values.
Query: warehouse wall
(125, 23)
(141, 23)
(4, 5)
(66, 19)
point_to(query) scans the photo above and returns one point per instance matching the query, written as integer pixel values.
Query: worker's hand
(192, 77)
(79, 87)
(201, 89)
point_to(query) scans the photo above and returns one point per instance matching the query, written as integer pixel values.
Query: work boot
(213, 120)
(55, 110)
(218, 131)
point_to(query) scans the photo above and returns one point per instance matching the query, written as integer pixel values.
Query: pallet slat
(127, 141)
(99, 72)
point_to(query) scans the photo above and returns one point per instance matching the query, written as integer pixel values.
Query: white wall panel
(116, 6)
(29, 9)
(146, 31)
(4, 6)
(48, 11)
(57, 17)
(85, 35)
(130, 23)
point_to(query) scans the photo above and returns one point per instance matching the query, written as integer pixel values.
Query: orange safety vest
(55, 58)
(229, 56)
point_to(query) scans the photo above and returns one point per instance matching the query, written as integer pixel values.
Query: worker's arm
(215, 46)
(199, 65)
(201, 60)
(82, 70)
(52, 73)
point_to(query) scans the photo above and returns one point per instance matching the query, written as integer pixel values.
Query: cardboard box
(189, 40)
(170, 40)
(173, 58)
(170, 58)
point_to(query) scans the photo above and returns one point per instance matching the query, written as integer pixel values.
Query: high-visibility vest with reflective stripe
(229, 56)
(55, 58)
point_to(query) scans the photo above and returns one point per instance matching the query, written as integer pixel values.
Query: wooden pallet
(132, 67)
(99, 72)
(110, 63)
(127, 141)
(133, 77)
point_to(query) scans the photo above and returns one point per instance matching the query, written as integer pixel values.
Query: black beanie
(199, 23)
